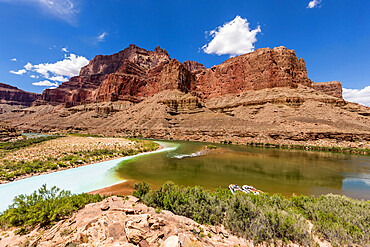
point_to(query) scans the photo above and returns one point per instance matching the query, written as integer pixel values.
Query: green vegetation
(265, 218)
(9, 170)
(209, 146)
(226, 142)
(25, 142)
(363, 151)
(43, 208)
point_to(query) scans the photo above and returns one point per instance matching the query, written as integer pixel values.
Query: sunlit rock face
(263, 68)
(135, 74)
(13, 96)
(333, 88)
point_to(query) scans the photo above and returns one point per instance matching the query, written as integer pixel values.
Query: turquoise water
(271, 170)
(81, 179)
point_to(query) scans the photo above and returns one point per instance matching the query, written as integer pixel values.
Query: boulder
(172, 241)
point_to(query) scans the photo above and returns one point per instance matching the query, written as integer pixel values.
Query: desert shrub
(264, 218)
(141, 189)
(253, 217)
(43, 207)
(337, 218)
(25, 142)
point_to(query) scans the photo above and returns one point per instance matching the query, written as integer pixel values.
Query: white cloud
(69, 66)
(13, 60)
(314, 3)
(19, 72)
(28, 66)
(361, 96)
(233, 38)
(32, 76)
(64, 49)
(45, 83)
(58, 78)
(64, 9)
(101, 37)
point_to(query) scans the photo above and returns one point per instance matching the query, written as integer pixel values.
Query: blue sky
(333, 36)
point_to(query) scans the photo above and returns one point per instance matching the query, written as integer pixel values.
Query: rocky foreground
(119, 222)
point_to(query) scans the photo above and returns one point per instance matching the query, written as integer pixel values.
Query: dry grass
(67, 145)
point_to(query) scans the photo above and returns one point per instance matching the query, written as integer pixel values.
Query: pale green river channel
(286, 172)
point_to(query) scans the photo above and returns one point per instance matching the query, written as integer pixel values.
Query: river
(187, 163)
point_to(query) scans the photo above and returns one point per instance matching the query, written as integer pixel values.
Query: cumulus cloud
(102, 36)
(19, 72)
(59, 71)
(69, 66)
(361, 96)
(233, 38)
(13, 60)
(58, 78)
(28, 66)
(46, 83)
(313, 4)
(64, 49)
(64, 9)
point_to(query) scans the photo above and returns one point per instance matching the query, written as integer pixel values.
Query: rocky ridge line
(135, 74)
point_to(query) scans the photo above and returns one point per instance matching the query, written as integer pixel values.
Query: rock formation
(7, 133)
(119, 222)
(128, 74)
(333, 88)
(264, 68)
(13, 96)
(263, 96)
(194, 67)
(135, 74)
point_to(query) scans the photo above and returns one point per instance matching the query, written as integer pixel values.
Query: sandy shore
(130, 145)
(122, 189)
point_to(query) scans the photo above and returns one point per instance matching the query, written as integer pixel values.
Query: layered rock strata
(13, 96)
(333, 88)
(135, 74)
(264, 68)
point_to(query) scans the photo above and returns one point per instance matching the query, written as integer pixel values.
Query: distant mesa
(13, 98)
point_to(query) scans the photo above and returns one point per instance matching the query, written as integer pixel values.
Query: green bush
(43, 207)
(337, 218)
(25, 142)
(264, 218)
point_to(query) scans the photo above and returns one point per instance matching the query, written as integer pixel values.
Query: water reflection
(271, 170)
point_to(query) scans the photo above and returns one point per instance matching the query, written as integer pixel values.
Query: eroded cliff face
(13, 96)
(333, 88)
(135, 74)
(129, 75)
(264, 68)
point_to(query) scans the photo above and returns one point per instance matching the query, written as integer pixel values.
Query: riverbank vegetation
(267, 218)
(43, 208)
(67, 152)
(335, 149)
(25, 142)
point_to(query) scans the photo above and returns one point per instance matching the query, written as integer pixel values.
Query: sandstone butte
(263, 96)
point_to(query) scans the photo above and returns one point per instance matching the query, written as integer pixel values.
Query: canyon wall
(333, 88)
(135, 74)
(13, 96)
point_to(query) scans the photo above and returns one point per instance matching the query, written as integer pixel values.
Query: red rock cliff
(263, 68)
(333, 88)
(13, 96)
(135, 73)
